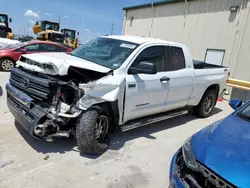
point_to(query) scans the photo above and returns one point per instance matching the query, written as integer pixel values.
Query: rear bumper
(22, 108)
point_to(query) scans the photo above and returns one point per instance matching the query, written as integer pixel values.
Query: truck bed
(203, 65)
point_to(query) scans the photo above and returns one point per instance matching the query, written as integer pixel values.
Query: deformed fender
(106, 90)
(87, 101)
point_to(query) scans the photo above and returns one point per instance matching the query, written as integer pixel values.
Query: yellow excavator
(70, 37)
(48, 31)
(5, 30)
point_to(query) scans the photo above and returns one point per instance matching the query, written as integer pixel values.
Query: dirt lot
(138, 158)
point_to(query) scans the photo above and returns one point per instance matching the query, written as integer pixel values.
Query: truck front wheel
(92, 131)
(206, 105)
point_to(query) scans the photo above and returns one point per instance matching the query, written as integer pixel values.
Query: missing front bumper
(19, 105)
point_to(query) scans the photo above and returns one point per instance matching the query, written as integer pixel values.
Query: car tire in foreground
(206, 105)
(92, 131)
(6, 64)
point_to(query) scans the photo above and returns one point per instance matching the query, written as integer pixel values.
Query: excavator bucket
(37, 29)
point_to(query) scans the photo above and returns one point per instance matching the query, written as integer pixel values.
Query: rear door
(146, 94)
(181, 81)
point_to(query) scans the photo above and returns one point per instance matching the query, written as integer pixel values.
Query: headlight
(188, 155)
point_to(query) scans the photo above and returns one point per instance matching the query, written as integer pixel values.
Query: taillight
(228, 74)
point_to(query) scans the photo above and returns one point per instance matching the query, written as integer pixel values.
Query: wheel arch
(110, 108)
(7, 57)
(215, 87)
(198, 109)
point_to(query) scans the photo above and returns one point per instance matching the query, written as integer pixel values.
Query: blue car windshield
(244, 113)
(104, 51)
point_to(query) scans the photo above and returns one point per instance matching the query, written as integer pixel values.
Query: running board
(152, 119)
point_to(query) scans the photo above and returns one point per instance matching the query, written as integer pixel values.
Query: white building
(217, 31)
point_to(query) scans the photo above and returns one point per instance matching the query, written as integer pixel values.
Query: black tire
(86, 132)
(201, 110)
(6, 64)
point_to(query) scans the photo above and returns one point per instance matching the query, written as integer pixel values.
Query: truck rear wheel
(206, 105)
(92, 131)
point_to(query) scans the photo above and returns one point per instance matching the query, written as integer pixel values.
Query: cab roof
(140, 40)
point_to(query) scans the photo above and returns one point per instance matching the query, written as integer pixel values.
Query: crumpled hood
(61, 62)
(225, 148)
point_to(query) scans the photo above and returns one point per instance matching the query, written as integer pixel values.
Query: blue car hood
(224, 147)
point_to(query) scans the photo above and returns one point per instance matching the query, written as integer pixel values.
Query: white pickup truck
(110, 83)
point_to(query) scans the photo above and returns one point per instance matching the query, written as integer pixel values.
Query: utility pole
(28, 29)
(112, 29)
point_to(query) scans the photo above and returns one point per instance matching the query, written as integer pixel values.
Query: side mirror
(143, 67)
(23, 51)
(77, 33)
(10, 20)
(235, 103)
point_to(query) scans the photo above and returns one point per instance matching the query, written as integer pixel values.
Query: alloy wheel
(101, 128)
(208, 103)
(7, 65)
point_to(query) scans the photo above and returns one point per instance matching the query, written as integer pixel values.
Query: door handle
(131, 85)
(164, 79)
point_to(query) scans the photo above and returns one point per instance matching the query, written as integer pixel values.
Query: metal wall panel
(209, 24)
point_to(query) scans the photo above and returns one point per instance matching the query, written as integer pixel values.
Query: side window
(33, 48)
(154, 54)
(54, 48)
(176, 59)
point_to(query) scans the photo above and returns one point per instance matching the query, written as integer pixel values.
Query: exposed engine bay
(57, 95)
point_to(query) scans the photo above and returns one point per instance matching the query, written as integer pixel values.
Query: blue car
(218, 155)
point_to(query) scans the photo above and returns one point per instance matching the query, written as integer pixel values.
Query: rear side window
(54, 48)
(34, 48)
(175, 59)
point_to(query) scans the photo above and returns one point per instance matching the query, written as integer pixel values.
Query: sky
(90, 17)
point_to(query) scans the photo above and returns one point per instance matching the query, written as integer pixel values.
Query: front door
(146, 94)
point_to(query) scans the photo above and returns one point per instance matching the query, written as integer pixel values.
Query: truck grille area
(36, 87)
(205, 178)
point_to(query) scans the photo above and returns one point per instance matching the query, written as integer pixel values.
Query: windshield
(51, 26)
(69, 34)
(3, 19)
(107, 52)
(245, 112)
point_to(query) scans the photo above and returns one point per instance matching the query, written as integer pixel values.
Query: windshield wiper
(245, 117)
(69, 53)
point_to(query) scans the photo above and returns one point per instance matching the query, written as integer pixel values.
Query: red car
(11, 53)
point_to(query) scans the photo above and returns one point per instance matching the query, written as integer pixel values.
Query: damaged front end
(61, 111)
(45, 105)
(184, 175)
